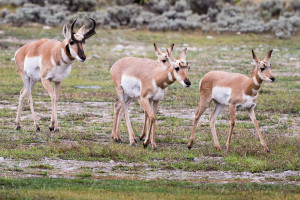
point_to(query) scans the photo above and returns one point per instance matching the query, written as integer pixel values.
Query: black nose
(187, 82)
(83, 58)
(272, 79)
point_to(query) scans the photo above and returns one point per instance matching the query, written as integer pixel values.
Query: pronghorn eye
(164, 61)
(72, 42)
(177, 69)
(262, 69)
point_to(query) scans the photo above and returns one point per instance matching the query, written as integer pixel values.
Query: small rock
(1, 159)
(96, 56)
(196, 159)
(111, 161)
(293, 59)
(209, 37)
(12, 59)
(46, 27)
(238, 33)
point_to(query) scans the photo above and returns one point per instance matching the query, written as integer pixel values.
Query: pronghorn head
(180, 67)
(264, 67)
(162, 57)
(75, 41)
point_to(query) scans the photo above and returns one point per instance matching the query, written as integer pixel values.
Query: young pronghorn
(233, 89)
(49, 60)
(147, 80)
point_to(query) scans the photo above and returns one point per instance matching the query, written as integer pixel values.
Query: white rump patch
(200, 83)
(131, 86)
(32, 67)
(221, 94)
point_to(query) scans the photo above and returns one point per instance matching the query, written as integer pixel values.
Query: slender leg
(146, 122)
(21, 99)
(154, 108)
(232, 110)
(201, 108)
(212, 122)
(145, 127)
(253, 119)
(29, 83)
(116, 116)
(47, 85)
(147, 108)
(123, 100)
(118, 126)
(56, 92)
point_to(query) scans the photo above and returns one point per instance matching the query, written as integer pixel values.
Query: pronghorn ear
(157, 51)
(268, 56)
(66, 32)
(170, 49)
(254, 57)
(183, 54)
(81, 30)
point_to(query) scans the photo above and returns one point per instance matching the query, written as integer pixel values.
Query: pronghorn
(233, 89)
(49, 60)
(147, 80)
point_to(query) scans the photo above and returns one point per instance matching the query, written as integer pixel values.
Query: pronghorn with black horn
(147, 80)
(233, 89)
(49, 60)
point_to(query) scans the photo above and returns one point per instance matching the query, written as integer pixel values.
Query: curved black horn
(91, 31)
(72, 29)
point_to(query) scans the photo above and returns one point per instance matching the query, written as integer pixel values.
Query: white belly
(131, 86)
(221, 95)
(248, 102)
(32, 67)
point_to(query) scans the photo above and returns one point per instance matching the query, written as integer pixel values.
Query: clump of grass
(41, 166)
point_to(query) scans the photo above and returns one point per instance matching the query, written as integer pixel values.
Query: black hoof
(18, 128)
(133, 145)
(119, 140)
(155, 148)
(141, 138)
(56, 130)
(135, 140)
(51, 129)
(145, 145)
(268, 151)
(38, 129)
(189, 147)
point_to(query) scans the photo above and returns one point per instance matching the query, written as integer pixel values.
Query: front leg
(232, 110)
(253, 119)
(47, 85)
(154, 108)
(56, 93)
(147, 108)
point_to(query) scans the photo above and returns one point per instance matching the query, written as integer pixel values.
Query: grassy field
(85, 114)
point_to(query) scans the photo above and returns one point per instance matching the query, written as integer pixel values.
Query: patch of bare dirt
(71, 169)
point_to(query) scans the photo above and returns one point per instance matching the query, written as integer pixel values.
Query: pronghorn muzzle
(187, 82)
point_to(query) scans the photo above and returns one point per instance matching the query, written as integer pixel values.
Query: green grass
(85, 134)
(47, 188)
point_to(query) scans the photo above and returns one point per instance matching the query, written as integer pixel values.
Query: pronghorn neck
(166, 78)
(65, 54)
(253, 84)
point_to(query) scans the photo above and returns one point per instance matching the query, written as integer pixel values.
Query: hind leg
(21, 99)
(116, 122)
(212, 122)
(29, 83)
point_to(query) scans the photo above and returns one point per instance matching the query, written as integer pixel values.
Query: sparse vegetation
(85, 118)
